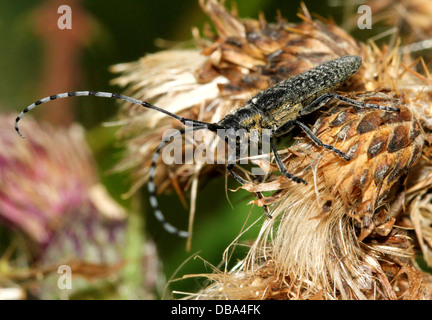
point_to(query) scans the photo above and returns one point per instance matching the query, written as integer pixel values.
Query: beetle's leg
(239, 179)
(320, 101)
(319, 143)
(284, 129)
(362, 104)
(317, 103)
(242, 181)
(266, 209)
(281, 166)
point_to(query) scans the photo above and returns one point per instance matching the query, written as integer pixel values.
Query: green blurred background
(115, 32)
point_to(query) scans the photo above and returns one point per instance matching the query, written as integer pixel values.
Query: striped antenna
(151, 186)
(210, 126)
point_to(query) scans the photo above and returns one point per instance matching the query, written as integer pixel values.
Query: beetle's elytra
(278, 108)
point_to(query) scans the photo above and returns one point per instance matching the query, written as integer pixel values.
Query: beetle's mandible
(278, 109)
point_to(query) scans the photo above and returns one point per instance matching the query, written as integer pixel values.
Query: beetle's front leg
(317, 103)
(319, 143)
(230, 167)
(281, 166)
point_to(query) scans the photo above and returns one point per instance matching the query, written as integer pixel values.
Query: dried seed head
(383, 146)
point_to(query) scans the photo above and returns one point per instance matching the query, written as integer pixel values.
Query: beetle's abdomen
(308, 85)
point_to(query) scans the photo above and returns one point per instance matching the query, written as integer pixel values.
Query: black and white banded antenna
(195, 125)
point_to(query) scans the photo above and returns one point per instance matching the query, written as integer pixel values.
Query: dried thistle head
(342, 236)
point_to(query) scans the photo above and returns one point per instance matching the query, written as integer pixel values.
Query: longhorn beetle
(278, 109)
